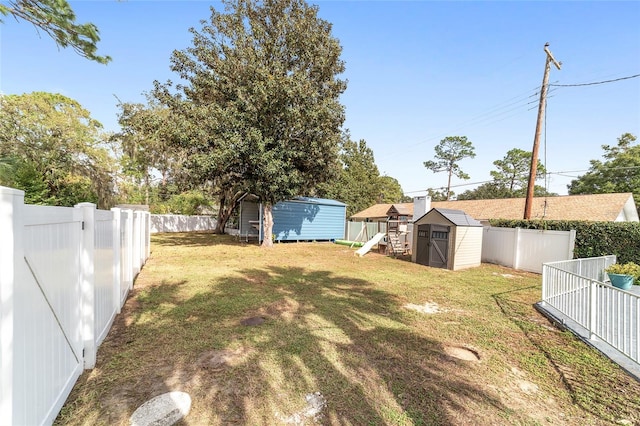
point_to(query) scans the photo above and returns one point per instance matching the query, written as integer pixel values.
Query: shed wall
(468, 247)
(303, 221)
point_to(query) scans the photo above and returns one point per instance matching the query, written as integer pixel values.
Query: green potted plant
(623, 275)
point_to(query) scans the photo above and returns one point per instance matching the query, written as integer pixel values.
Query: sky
(417, 71)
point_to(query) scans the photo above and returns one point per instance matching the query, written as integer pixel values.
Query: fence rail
(577, 289)
(64, 274)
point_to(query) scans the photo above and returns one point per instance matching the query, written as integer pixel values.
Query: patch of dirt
(286, 309)
(216, 359)
(253, 321)
(313, 411)
(506, 275)
(463, 353)
(427, 308)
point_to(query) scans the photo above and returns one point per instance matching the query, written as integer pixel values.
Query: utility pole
(536, 139)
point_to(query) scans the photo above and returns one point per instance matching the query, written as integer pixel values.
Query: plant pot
(623, 282)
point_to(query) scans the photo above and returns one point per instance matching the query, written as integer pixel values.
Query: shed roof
(311, 200)
(456, 217)
(592, 207)
(323, 201)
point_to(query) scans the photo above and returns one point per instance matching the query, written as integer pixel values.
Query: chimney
(421, 205)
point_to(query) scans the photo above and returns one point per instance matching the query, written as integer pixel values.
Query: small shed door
(438, 246)
(422, 250)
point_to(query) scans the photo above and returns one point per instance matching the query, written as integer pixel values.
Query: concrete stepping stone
(163, 410)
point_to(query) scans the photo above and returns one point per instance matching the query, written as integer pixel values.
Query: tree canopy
(57, 19)
(510, 179)
(52, 149)
(263, 97)
(449, 152)
(619, 172)
(357, 180)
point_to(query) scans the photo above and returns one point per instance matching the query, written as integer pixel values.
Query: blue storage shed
(300, 219)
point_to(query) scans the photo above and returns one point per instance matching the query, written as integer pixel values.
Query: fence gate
(47, 319)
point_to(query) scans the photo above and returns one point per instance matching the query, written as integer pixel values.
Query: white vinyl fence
(181, 223)
(576, 288)
(364, 231)
(526, 249)
(64, 275)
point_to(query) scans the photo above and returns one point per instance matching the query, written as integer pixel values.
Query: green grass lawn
(338, 324)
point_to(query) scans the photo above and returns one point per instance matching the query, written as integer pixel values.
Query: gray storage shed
(300, 219)
(449, 239)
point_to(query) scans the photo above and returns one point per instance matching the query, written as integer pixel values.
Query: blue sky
(418, 71)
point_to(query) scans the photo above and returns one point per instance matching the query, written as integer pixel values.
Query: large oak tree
(262, 92)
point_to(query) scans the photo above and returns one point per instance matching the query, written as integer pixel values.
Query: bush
(592, 238)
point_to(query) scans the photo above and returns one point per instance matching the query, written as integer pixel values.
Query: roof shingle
(592, 207)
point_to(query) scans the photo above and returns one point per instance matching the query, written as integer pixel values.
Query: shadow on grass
(198, 239)
(587, 375)
(322, 332)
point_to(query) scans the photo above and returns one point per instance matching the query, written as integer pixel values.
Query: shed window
(439, 235)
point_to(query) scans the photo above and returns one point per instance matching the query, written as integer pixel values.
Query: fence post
(87, 268)
(572, 243)
(11, 257)
(129, 244)
(516, 249)
(545, 282)
(592, 309)
(147, 237)
(117, 274)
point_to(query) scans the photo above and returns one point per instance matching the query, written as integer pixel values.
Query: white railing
(577, 289)
(526, 249)
(64, 275)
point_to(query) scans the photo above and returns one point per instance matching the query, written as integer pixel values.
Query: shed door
(438, 246)
(422, 250)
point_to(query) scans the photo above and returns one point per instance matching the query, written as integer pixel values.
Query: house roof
(456, 217)
(592, 207)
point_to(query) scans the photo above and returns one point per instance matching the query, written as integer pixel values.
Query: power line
(596, 82)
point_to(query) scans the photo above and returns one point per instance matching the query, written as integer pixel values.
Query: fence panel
(526, 249)
(105, 305)
(47, 314)
(364, 231)
(61, 271)
(499, 246)
(181, 223)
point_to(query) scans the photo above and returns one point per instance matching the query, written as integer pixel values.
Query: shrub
(628, 268)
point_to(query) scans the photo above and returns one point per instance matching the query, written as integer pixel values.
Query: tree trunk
(267, 226)
(227, 204)
(449, 185)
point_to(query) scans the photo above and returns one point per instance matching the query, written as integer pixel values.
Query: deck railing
(578, 290)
